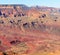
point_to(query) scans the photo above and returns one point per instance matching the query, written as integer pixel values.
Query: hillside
(29, 30)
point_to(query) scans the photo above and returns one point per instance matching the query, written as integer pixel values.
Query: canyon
(29, 30)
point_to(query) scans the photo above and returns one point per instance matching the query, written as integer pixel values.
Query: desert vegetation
(29, 30)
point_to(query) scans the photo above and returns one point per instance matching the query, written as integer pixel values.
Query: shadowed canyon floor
(29, 30)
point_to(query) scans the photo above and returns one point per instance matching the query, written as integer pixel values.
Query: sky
(49, 3)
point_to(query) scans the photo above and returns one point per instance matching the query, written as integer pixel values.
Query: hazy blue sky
(50, 3)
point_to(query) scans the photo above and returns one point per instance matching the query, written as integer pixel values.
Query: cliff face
(29, 30)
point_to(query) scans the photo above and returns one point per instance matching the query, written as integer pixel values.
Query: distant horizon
(45, 3)
(27, 5)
